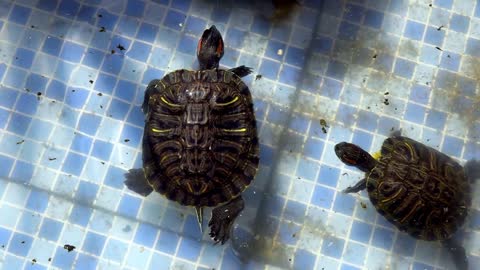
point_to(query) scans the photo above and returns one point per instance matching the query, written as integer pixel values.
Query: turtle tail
(472, 170)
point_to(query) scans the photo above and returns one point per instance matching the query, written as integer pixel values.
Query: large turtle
(200, 145)
(415, 187)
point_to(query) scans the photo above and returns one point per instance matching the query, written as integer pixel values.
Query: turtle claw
(222, 220)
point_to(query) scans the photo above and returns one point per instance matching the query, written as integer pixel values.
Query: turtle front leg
(241, 71)
(222, 219)
(361, 185)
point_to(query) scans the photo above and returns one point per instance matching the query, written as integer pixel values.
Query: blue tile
(115, 177)
(384, 62)
(20, 244)
(147, 32)
(159, 259)
(15, 77)
(19, 124)
(191, 228)
(94, 243)
(295, 56)
(77, 97)
(421, 266)
(23, 58)
(8, 97)
(452, 146)
(450, 61)
(345, 114)
(289, 75)
(434, 36)
(4, 115)
(127, 26)
(367, 120)
(231, 261)
(3, 68)
(64, 70)
(294, 211)
(73, 164)
(333, 246)
(102, 149)
(105, 83)
(101, 40)
(86, 262)
(398, 7)
(63, 259)
(187, 45)
(81, 143)
(12, 262)
(274, 204)
(328, 176)
(174, 19)
(272, 49)
(436, 119)
(87, 14)
(129, 206)
(350, 267)
(404, 68)
(52, 45)
(322, 44)
(68, 117)
(37, 201)
(344, 204)
(473, 47)
(331, 88)
(183, 5)
(383, 238)
(361, 231)
(404, 245)
(220, 14)
(477, 11)
(299, 123)
(260, 26)
(467, 86)
(277, 115)
(118, 109)
(348, 31)
(27, 104)
(269, 69)
(145, 235)
(5, 236)
(322, 197)
(80, 215)
(354, 253)
(86, 192)
(108, 20)
(6, 165)
(333, 8)
(133, 134)
(56, 90)
(32, 39)
(93, 58)
(444, 3)
(414, 30)
(113, 64)
(420, 93)
(415, 113)
(23, 171)
(373, 19)
(313, 148)
(135, 8)
(287, 233)
(167, 242)
(136, 116)
(304, 259)
(459, 23)
(19, 14)
(336, 70)
(68, 8)
(50, 229)
(72, 52)
(195, 26)
(235, 38)
(353, 13)
(189, 249)
(125, 90)
(40, 130)
(36, 82)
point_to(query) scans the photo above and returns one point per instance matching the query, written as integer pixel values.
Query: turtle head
(210, 48)
(353, 155)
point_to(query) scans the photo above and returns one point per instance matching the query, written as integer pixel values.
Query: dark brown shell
(419, 189)
(200, 141)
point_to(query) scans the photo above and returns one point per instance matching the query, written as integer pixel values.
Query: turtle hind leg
(472, 170)
(458, 254)
(241, 71)
(222, 219)
(361, 185)
(136, 182)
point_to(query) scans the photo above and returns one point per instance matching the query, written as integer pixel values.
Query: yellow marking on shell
(414, 208)
(161, 130)
(189, 187)
(163, 85)
(204, 188)
(235, 130)
(392, 197)
(410, 148)
(168, 103)
(228, 103)
(377, 155)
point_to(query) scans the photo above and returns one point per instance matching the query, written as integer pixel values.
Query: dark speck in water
(23, 242)
(73, 90)
(258, 77)
(386, 102)
(363, 205)
(34, 261)
(126, 140)
(103, 162)
(120, 47)
(386, 93)
(49, 259)
(100, 15)
(99, 94)
(113, 51)
(33, 26)
(374, 56)
(69, 247)
(344, 173)
(20, 142)
(52, 159)
(90, 81)
(440, 28)
(127, 228)
(101, 107)
(438, 48)
(102, 29)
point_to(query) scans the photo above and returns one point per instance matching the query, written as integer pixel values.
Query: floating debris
(386, 93)
(100, 15)
(69, 247)
(20, 142)
(52, 159)
(280, 52)
(386, 102)
(113, 51)
(363, 205)
(438, 48)
(120, 47)
(102, 29)
(90, 81)
(34, 261)
(374, 56)
(324, 125)
(258, 77)
(126, 140)
(99, 94)
(440, 28)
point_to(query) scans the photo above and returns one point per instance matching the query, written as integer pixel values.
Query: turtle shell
(200, 144)
(419, 189)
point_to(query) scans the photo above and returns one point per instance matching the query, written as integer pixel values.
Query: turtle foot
(241, 71)
(136, 182)
(222, 220)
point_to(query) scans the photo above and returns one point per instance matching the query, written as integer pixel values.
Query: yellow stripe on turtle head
(377, 155)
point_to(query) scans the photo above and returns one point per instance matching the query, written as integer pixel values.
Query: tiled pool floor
(72, 78)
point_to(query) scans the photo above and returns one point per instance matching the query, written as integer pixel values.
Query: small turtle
(417, 188)
(200, 145)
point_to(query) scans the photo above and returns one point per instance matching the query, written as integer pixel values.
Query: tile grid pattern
(273, 113)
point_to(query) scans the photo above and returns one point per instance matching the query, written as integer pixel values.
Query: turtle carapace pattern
(200, 145)
(417, 188)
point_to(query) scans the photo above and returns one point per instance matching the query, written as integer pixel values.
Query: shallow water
(73, 74)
